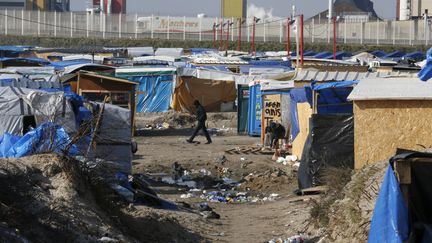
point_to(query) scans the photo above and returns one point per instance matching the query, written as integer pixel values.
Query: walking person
(201, 116)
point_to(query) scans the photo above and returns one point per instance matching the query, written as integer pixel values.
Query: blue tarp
(246, 68)
(63, 64)
(308, 53)
(390, 220)
(46, 138)
(30, 59)
(157, 92)
(339, 55)
(426, 73)
(395, 54)
(196, 51)
(418, 55)
(332, 97)
(378, 53)
(298, 95)
(322, 54)
(254, 110)
(269, 63)
(14, 48)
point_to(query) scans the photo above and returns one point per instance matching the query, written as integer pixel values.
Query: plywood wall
(304, 113)
(380, 127)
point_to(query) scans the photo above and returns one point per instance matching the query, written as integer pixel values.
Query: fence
(134, 26)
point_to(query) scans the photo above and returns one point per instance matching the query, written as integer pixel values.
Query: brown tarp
(210, 93)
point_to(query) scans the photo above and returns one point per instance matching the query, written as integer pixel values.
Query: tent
(378, 53)
(426, 73)
(155, 86)
(21, 108)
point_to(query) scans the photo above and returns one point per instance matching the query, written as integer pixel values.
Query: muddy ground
(287, 215)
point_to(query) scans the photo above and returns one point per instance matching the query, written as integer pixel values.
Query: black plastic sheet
(330, 143)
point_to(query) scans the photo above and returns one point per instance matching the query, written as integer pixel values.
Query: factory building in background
(233, 8)
(110, 6)
(412, 9)
(42, 5)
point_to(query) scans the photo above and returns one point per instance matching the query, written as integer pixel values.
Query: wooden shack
(94, 87)
(390, 113)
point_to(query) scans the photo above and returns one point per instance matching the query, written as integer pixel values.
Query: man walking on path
(201, 117)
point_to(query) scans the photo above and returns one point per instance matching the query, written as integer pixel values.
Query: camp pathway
(245, 222)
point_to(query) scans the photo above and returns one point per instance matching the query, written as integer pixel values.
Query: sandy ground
(247, 222)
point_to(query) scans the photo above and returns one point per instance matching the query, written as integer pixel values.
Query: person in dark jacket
(201, 117)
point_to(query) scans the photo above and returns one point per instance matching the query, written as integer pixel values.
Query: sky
(280, 8)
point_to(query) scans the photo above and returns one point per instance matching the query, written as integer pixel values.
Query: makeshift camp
(154, 86)
(215, 90)
(243, 95)
(402, 212)
(389, 114)
(22, 109)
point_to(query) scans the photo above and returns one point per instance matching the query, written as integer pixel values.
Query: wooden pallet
(248, 150)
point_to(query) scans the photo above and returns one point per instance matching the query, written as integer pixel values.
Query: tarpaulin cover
(426, 73)
(378, 53)
(157, 92)
(332, 97)
(330, 144)
(322, 54)
(46, 138)
(210, 93)
(29, 59)
(297, 95)
(308, 53)
(196, 51)
(254, 110)
(269, 63)
(395, 54)
(390, 220)
(418, 55)
(339, 55)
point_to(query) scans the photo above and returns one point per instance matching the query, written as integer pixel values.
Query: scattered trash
(210, 215)
(292, 239)
(242, 159)
(107, 239)
(221, 159)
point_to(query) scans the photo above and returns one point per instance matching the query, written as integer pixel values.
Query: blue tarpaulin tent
(418, 55)
(339, 55)
(395, 54)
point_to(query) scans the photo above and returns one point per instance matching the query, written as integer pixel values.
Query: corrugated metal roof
(323, 76)
(392, 89)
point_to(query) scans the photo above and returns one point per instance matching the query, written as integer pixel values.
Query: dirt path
(247, 222)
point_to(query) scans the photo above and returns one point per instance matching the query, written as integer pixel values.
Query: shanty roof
(322, 76)
(392, 89)
(68, 78)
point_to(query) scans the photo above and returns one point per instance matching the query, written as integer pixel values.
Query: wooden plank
(317, 189)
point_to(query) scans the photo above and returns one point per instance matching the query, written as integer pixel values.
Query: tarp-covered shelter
(22, 108)
(390, 113)
(155, 86)
(140, 51)
(330, 142)
(214, 90)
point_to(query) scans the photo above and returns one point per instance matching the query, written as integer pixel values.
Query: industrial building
(233, 8)
(42, 5)
(412, 9)
(350, 11)
(109, 6)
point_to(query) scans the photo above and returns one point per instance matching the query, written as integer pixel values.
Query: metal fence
(135, 26)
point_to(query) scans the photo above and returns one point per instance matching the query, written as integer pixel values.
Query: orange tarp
(210, 93)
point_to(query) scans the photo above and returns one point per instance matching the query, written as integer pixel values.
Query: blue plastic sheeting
(14, 48)
(63, 64)
(308, 53)
(216, 68)
(390, 220)
(30, 59)
(339, 55)
(426, 73)
(48, 137)
(323, 54)
(157, 90)
(254, 110)
(395, 54)
(297, 95)
(82, 114)
(418, 55)
(196, 51)
(332, 97)
(269, 63)
(378, 53)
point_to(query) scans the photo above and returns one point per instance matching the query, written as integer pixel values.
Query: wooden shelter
(390, 113)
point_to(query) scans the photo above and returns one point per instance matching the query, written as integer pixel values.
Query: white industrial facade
(413, 9)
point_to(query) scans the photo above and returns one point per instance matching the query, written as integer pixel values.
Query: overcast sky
(384, 8)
